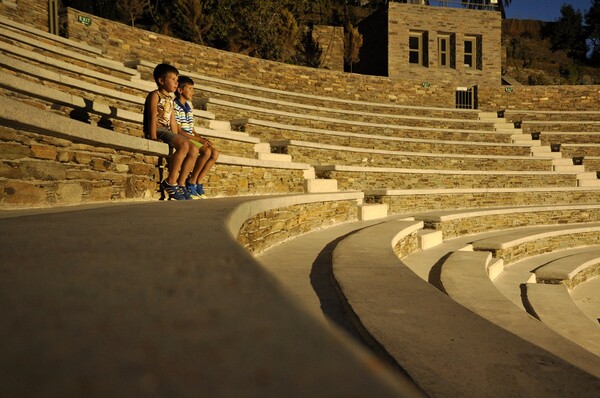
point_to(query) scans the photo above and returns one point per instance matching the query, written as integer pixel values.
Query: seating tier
(322, 154)
(272, 131)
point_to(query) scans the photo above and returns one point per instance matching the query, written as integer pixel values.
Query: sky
(544, 10)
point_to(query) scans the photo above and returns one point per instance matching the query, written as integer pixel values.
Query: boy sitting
(185, 118)
(159, 123)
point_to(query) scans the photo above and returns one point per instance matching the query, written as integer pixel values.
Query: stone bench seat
(461, 222)
(548, 115)
(518, 244)
(85, 89)
(373, 178)
(49, 37)
(146, 69)
(104, 288)
(580, 150)
(465, 278)
(75, 56)
(119, 120)
(592, 162)
(552, 304)
(420, 200)
(570, 270)
(321, 154)
(84, 72)
(417, 127)
(414, 322)
(79, 152)
(559, 137)
(271, 131)
(560, 126)
(216, 99)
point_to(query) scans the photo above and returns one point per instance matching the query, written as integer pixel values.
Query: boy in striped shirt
(185, 118)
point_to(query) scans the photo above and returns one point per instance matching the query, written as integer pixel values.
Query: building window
(444, 50)
(418, 48)
(447, 50)
(473, 52)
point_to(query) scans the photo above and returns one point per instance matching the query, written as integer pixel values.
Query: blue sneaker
(200, 190)
(174, 191)
(193, 192)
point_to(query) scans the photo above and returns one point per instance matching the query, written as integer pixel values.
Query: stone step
(372, 211)
(429, 238)
(504, 126)
(521, 138)
(562, 162)
(279, 157)
(569, 168)
(319, 185)
(544, 151)
(263, 147)
(588, 183)
(495, 268)
(219, 125)
(590, 175)
(488, 115)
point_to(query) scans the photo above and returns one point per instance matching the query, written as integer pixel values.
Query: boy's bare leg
(209, 164)
(203, 157)
(188, 163)
(181, 147)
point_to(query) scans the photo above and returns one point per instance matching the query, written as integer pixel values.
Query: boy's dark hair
(161, 70)
(184, 81)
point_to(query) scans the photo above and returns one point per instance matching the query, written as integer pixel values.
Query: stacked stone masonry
(319, 156)
(266, 133)
(546, 245)
(482, 223)
(271, 227)
(417, 202)
(353, 180)
(37, 169)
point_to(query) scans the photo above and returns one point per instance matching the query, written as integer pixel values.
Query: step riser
(372, 211)
(278, 157)
(312, 185)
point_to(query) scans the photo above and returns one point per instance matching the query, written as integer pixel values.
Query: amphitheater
(363, 236)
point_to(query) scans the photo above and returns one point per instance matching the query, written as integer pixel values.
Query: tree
(353, 41)
(191, 21)
(568, 34)
(592, 30)
(132, 9)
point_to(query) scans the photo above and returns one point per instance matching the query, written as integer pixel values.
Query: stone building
(432, 44)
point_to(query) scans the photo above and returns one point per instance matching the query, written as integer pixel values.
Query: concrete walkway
(156, 299)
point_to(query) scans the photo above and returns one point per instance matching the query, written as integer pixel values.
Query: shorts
(198, 144)
(165, 135)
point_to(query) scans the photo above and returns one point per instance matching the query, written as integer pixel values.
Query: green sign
(508, 89)
(425, 84)
(87, 21)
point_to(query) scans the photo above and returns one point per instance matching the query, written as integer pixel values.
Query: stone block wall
(39, 170)
(399, 204)
(545, 245)
(557, 98)
(474, 225)
(366, 180)
(320, 156)
(122, 42)
(28, 12)
(403, 18)
(271, 227)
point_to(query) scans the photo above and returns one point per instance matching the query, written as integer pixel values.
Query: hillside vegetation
(531, 60)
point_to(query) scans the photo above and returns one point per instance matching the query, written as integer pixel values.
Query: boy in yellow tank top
(160, 125)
